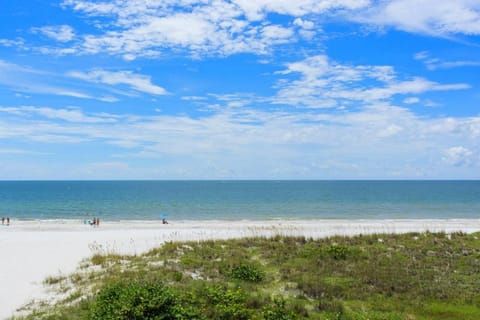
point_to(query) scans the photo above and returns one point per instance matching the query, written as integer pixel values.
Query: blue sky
(240, 89)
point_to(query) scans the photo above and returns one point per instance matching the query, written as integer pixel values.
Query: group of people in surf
(95, 222)
(6, 221)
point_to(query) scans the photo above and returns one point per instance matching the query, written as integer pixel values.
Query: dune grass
(408, 276)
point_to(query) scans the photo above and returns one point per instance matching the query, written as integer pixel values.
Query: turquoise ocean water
(237, 200)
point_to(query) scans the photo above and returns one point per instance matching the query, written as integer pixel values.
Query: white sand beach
(33, 250)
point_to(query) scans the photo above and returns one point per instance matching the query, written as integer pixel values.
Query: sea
(239, 200)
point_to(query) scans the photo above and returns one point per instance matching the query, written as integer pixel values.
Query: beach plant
(388, 277)
(277, 311)
(338, 252)
(224, 303)
(135, 301)
(248, 272)
(51, 280)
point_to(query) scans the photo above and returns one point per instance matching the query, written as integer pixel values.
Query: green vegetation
(248, 273)
(410, 276)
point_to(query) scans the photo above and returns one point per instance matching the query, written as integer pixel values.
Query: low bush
(338, 252)
(248, 272)
(135, 301)
(226, 304)
(278, 311)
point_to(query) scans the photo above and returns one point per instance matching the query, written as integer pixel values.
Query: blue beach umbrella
(164, 215)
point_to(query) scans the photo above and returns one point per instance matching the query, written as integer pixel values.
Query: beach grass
(381, 276)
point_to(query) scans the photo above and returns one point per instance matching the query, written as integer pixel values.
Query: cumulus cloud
(458, 156)
(432, 17)
(325, 83)
(132, 29)
(195, 32)
(135, 81)
(201, 27)
(306, 24)
(256, 10)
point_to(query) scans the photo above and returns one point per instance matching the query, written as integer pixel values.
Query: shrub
(248, 273)
(277, 311)
(99, 259)
(135, 301)
(338, 252)
(227, 304)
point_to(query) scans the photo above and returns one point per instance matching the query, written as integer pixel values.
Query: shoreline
(35, 249)
(74, 224)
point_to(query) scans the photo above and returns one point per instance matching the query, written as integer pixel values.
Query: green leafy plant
(247, 272)
(278, 311)
(135, 301)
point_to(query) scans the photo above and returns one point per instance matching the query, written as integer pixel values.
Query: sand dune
(33, 250)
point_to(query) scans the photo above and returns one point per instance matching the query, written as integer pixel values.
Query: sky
(239, 89)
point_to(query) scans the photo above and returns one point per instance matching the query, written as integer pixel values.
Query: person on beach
(8, 221)
(3, 220)
(164, 221)
(98, 222)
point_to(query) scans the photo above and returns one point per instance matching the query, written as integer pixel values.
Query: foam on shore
(33, 250)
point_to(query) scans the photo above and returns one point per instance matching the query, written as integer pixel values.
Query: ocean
(239, 200)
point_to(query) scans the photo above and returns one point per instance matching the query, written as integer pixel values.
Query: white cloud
(256, 10)
(277, 32)
(18, 43)
(62, 33)
(200, 27)
(137, 82)
(431, 104)
(411, 100)
(7, 68)
(132, 29)
(108, 99)
(56, 51)
(379, 141)
(436, 63)
(306, 24)
(325, 83)
(193, 32)
(69, 115)
(421, 55)
(432, 17)
(457, 64)
(233, 100)
(32, 87)
(29, 80)
(458, 156)
(193, 98)
(308, 29)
